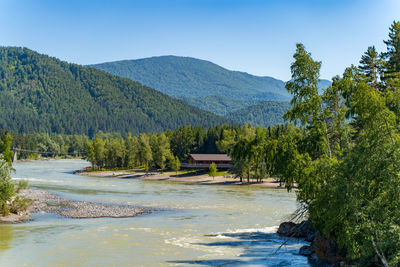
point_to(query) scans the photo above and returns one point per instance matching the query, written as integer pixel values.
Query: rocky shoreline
(321, 251)
(44, 201)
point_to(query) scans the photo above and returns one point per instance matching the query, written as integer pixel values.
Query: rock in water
(306, 251)
(301, 230)
(286, 229)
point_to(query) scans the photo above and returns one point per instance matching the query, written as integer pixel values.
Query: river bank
(44, 201)
(189, 178)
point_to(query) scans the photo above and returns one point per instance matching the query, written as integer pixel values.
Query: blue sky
(254, 36)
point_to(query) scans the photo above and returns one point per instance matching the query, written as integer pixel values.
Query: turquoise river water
(194, 225)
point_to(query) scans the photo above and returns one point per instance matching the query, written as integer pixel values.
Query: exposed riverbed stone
(306, 251)
(301, 230)
(326, 249)
(44, 201)
(322, 251)
(286, 229)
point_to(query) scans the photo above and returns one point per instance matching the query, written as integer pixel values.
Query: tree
(393, 52)
(5, 149)
(227, 141)
(90, 153)
(359, 202)
(175, 164)
(6, 186)
(161, 150)
(306, 103)
(371, 65)
(213, 170)
(132, 152)
(99, 152)
(145, 153)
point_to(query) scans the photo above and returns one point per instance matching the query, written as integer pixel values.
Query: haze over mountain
(39, 93)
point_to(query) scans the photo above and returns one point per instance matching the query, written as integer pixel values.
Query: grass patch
(223, 174)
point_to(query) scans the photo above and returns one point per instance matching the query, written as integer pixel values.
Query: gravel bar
(44, 201)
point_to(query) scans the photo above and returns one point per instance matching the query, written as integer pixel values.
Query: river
(194, 225)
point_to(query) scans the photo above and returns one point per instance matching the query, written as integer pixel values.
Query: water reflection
(6, 236)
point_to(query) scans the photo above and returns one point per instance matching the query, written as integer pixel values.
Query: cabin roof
(210, 157)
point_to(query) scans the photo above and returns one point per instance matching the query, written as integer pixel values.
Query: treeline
(49, 145)
(163, 150)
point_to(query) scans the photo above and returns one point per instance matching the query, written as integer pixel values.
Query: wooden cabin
(223, 161)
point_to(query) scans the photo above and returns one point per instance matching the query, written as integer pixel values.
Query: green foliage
(238, 96)
(6, 186)
(22, 184)
(222, 105)
(213, 170)
(145, 153)
(306, 103)
(5, 148)
(53, 96)
(371, 65)
(264, 114)
(19, 204)
(175, 164)
(365, 185)
(161, 150)
(392, 55)
(351, 189)
(190, 77)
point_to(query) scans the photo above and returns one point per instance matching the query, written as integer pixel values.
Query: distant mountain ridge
(210, 87)
(39, 93)
(191, 77)
(201, 83)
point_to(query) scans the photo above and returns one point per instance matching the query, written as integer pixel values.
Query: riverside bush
(6, 186)
(19, 204)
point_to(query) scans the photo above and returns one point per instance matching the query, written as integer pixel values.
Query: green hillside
(266, 113)
(191, 77)
(39, 93)
(205, 85)
(218, 104)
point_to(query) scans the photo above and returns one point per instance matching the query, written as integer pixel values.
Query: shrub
(22, 184)
(6, 186)
(19, 204)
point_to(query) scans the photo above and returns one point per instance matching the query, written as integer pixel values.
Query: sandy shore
(184, 178)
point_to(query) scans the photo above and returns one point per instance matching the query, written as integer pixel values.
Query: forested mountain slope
(208, 86)
(39, 93)
(191, 77)
(264, 114)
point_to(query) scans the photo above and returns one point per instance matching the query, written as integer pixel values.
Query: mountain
(39, 93)
(191, 77)
(204, 84)
(218, 104)
(264, 114)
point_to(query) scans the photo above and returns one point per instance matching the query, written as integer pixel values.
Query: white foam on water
(147, 230)
(196, 244)
(31, 179)
(221, 236)
(268, 229)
